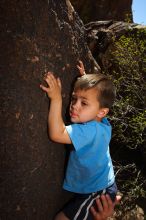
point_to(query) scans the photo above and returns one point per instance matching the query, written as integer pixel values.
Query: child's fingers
(50, 79)
(105, 207)
(59, 82)
(82, 72)
(81, 64)
(107, 204)
(99, 205)
(81, 68)
(45, 89)
(93, 211)
(48, 76)
(96, 215)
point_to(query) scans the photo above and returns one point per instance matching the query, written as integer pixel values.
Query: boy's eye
(84, 103)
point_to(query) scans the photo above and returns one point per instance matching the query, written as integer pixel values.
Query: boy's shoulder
(90, 127)
(104, 122)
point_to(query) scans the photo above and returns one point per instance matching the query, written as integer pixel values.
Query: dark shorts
(78, 208)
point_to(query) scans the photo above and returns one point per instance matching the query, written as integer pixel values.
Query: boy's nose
(76, 105)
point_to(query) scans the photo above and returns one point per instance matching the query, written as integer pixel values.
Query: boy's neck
(98, 119)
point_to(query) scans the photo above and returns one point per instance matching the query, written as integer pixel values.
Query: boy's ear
(103, 112)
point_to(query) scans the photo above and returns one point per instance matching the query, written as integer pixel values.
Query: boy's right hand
(54, 86)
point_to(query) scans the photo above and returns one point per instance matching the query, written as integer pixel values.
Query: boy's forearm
(56, 127)
(56, 124)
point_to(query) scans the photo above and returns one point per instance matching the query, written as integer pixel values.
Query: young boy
(90, 171)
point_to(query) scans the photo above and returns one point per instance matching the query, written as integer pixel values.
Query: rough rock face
(36, 36)
(92, 10)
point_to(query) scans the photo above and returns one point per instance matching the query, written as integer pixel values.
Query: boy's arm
(56, 127)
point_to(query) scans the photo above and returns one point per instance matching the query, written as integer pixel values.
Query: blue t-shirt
(89, 167)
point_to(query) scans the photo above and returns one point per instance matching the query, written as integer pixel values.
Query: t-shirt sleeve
(81, 135)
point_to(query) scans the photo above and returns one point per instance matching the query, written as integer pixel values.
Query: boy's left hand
(54, 86)
(81, 68)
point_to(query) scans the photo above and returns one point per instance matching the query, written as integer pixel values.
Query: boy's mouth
(73, 115)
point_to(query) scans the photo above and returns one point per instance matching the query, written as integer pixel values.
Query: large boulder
(36, 36)
(97, 10)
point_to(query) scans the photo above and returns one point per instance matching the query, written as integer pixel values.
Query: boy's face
(84, 106)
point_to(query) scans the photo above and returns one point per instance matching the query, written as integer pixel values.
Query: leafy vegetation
(127, 59)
